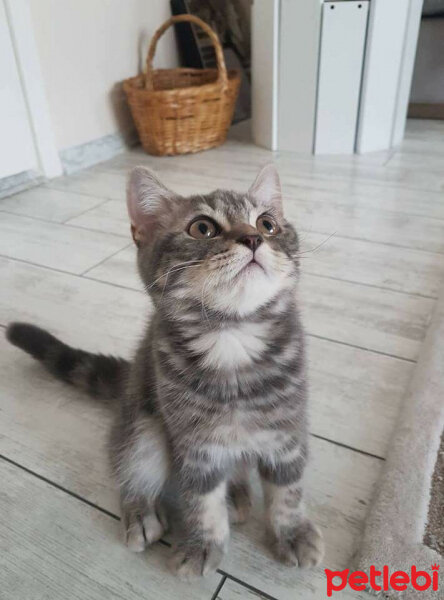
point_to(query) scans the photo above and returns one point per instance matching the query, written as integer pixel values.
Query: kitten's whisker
(166, 281)
(188, 262)
(318, 246)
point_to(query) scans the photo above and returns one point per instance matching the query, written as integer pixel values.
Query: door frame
(18, 14)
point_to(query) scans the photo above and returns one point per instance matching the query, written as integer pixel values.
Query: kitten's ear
(149, 204)
(266, 189)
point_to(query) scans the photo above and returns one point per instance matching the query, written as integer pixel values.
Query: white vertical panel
(17, 151)
(19, 16)
(340, 70)
(300, 24)
(406, 74)
(386, 35)
(264, 64)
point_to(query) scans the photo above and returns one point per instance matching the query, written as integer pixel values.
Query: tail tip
(29, 338)
(14, 332)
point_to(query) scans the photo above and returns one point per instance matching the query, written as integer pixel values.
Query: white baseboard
(73, 159)
(19, 182)
(86, 155)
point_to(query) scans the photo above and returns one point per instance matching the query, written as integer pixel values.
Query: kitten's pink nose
(252, 241)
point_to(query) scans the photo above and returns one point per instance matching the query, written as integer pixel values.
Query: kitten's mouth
(253, 261)
(251, 266)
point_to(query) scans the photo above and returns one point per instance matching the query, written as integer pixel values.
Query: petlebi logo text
(383, 580)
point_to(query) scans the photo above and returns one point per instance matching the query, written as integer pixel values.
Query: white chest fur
(232, 348)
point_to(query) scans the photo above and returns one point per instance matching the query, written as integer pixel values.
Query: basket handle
(223, 77)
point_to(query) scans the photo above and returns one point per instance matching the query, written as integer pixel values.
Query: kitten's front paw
(301, 545)
(141, 530)
(195, 560)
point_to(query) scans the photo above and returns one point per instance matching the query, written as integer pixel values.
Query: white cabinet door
(300, 22)
(17, 149)
(390, 53)
(344, 26)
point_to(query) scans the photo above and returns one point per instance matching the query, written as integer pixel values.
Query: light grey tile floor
(372, 228)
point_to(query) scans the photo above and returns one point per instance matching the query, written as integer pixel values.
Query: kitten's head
(231, 252)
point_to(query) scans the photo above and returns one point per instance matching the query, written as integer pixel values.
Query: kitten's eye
(267, 225)
(203, 228)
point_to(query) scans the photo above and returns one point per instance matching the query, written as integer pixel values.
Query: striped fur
(218, 384)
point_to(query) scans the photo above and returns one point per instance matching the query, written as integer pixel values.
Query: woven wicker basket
(183, 110)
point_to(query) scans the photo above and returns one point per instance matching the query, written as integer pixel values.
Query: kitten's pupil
(202, 229)
(267, 225)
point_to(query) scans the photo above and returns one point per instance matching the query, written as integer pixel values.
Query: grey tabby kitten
(218, 384)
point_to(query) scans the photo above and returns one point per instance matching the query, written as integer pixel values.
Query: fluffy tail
(101, 376)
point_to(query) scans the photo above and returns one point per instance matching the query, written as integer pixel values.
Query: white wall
(86, 48)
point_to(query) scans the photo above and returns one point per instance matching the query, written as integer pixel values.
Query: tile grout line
(347, 447)
(33, 264)
(50, 186)
(391, 154)
(44, 186)
(60, 487)
(219, 587)
(237, 139)
(105, 259)
(246, 585)
(327, 178)
(381, 210)
(371, 285)
(62, 272)
(350, 345)
(366, 240)
(73, 226)
(117, 285)
(66, 221)
(368, 182)
(63, 224)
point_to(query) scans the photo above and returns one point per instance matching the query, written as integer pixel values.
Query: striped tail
(100, 376)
